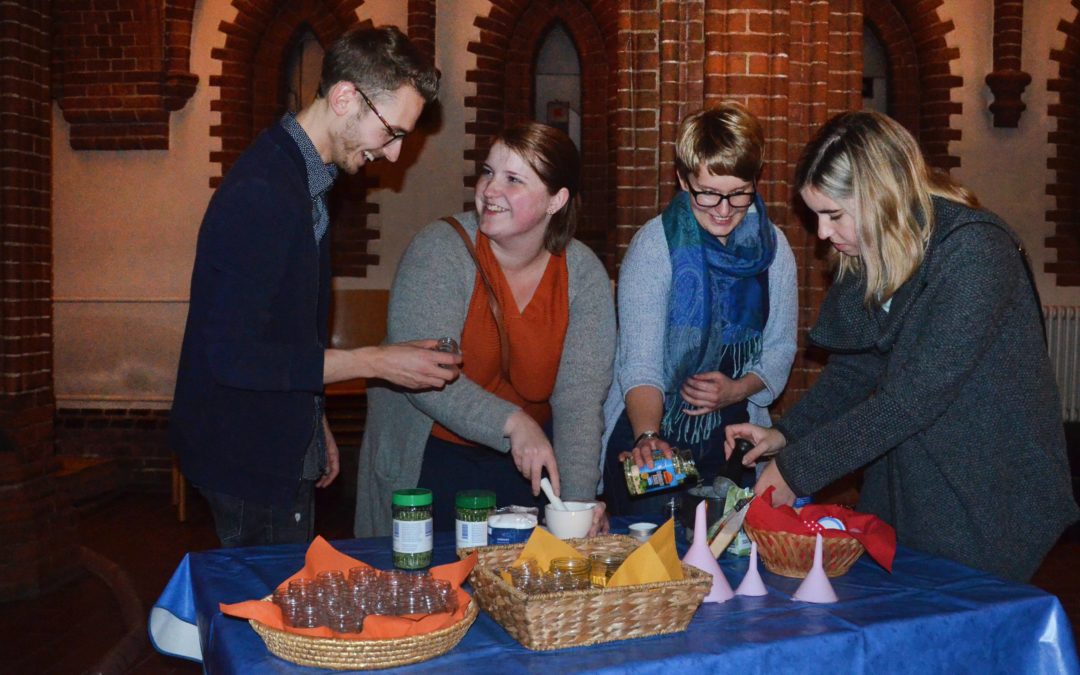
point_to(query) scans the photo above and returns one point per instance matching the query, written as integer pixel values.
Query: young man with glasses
(707, 311)
(247, 420)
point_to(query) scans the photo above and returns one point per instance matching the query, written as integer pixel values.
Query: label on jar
(510, 528)
(662, 476)
(413, 536)
(471, 535)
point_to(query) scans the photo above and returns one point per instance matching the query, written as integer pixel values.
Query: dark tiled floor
(73, 628)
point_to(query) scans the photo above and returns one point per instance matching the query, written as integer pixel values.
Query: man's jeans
(241, 522)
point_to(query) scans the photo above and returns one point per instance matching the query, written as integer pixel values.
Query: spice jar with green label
(413, 528)
(473, 508)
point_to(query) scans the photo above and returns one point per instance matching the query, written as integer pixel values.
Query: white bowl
(572, 523)
(642, 531)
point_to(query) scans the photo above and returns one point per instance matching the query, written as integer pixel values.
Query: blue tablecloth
(930, 615)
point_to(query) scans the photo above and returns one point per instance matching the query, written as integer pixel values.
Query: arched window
(875, 80)
(303, 65)
(557, 87)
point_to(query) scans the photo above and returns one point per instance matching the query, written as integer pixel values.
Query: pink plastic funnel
(752, 584)
(816, 587)
(702, 558)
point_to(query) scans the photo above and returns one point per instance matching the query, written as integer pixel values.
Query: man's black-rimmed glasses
(395, 134)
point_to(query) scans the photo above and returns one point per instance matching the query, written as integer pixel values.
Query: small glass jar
(413, 528)
(473, 508)
(602, 566)
(570, 574)
(665, 473)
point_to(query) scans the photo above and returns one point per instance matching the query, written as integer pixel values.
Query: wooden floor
(73, 629)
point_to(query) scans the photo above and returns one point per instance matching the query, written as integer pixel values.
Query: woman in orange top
(505, 421)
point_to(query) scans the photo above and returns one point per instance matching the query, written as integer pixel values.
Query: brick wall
(120, 67)
(921, 81)
(137, 438)
(1065, 162)
(251, 98)
(35, 522)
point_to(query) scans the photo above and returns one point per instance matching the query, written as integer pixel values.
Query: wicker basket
(342, 654)
(792, 555)
(576, 618)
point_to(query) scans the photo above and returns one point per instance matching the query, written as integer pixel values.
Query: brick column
(1008, 80)
(1064, 187)
(35, 520)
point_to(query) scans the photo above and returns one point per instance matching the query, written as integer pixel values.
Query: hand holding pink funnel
(816, 586)
(752, 585)
(702, 558)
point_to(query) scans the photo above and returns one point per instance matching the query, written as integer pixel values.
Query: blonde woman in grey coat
(938, 383)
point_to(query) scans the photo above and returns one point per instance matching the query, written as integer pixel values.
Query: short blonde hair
(872, 160)
(727, 139)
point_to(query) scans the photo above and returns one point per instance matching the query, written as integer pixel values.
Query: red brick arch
(1065, 140)
(251, 61)
(921, 81)
(250, 99)
(510, 37)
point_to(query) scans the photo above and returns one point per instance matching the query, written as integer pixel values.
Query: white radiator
(1063, 343)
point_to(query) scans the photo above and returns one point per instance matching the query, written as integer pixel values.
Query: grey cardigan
(947, 399)
(430, 298)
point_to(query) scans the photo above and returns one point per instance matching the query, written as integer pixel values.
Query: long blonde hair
(870, 159)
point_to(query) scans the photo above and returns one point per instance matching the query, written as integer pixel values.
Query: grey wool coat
(947, 400)
(430, 298)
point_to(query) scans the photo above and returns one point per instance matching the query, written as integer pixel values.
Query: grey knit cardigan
(947, 400)
(430, 298)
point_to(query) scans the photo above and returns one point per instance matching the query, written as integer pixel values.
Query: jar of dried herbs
(413, 528)
(473, 508)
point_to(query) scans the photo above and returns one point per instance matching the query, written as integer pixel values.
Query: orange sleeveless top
(535, 335)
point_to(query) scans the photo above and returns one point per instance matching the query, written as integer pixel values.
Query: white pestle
(545, 485)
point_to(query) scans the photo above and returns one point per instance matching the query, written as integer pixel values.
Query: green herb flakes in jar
(413, 528)
(473, 508)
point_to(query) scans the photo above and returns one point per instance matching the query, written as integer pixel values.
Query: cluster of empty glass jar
(341, 603)
(566, 574)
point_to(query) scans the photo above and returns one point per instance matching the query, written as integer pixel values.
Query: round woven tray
(792, 555)
(341, 654)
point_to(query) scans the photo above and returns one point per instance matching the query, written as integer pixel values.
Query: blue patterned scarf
(716, 310)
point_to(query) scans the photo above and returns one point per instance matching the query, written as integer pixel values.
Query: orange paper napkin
(321, 556)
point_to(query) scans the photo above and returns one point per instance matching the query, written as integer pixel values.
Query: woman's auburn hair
(871, 160)
(555, 159)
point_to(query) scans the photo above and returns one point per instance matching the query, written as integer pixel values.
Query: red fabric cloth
(877, 536)
(322, 556)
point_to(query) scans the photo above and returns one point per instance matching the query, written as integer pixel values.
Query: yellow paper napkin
(545, 547)
(654, 561)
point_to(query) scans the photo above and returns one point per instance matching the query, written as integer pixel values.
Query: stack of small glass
(566, 574)
(341, 604)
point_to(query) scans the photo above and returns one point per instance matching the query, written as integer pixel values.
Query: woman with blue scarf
(707, 311)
